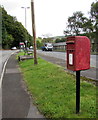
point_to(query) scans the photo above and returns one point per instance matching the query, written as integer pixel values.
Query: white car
(31, 47)
(47, 47)
(13, 48)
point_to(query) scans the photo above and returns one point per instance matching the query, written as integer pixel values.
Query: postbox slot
(71, 51)
(70, 42)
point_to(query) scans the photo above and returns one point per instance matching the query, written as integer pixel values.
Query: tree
(57, 40)
(94, 16)
(76, 23)
(0, 27)
(94, 13)
(13, 31)
(39, 44)
(47, 40)
(5, 43)
(60, 40)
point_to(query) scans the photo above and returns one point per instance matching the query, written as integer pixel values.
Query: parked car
(31, 47)
(13, 48)
(47, 47)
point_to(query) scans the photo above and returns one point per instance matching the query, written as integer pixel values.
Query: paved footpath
(16, 102)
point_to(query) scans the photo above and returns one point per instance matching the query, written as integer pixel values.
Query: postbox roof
(76, 37)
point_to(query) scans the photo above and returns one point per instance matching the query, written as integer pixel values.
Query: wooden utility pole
(33, 31)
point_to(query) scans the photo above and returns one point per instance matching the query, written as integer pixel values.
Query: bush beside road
(53, 90)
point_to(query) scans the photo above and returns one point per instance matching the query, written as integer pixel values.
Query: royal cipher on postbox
(78, 53)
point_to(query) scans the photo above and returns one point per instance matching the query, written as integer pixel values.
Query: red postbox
(78, 53)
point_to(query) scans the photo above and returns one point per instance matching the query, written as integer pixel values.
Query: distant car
(31, 47)
(13, 48)
(47, 47)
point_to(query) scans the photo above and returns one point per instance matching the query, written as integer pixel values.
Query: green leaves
(94, 10)
(13, 31)
(76, 23)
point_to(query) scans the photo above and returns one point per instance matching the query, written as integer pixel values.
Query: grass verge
(54, 91)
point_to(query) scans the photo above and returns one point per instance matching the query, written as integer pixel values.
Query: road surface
(4, 55)
(60, 59)
(62, 55)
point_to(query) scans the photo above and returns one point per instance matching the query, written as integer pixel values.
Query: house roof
(59, 44)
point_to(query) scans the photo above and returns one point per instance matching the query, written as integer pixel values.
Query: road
(4, 55)
(62, 55)
(60, 59)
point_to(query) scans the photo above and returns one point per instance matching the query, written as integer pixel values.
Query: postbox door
(82, 53)
(70, 55)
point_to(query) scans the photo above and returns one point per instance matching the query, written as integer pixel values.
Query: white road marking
(2, 74)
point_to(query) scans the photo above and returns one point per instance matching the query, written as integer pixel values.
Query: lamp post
(25, 24)
(26, 44)
(25, 14)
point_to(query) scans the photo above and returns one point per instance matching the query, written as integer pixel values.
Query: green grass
(53, 90)
(20, 54)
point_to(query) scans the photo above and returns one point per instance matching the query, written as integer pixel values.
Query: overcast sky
(50, 15)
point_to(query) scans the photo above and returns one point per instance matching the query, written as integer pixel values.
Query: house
(59, 46)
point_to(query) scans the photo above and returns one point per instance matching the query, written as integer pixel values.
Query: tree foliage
(13, 32)
(60, 40)
(94, 17)
(78, 24)
(94, 11)
(47, 40)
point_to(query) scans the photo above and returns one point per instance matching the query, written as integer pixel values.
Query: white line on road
(2, 74)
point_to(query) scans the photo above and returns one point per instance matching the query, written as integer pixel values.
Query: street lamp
(26, 43)
(25, 14)
(25, 23)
